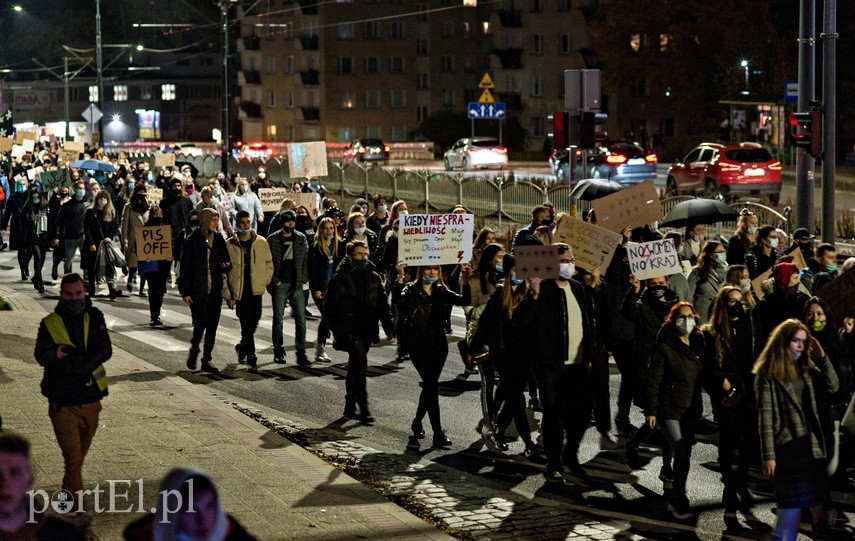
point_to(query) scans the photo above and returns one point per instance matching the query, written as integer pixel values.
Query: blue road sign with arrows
(486, 110)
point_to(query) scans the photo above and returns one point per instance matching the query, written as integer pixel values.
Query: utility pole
(804, 161)
(225, 136)
(100, 61)
(65, 77)
(829, 128)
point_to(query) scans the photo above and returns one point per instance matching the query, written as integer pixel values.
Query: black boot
(418, 429)
(241, 356)
(252, 363)
(440, 440)
(192, 357)
(208, 367)
(364, 414)
(350, 408)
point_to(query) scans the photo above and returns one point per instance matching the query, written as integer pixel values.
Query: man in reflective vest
(72, 345)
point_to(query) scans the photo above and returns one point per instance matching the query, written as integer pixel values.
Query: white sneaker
(321, 355)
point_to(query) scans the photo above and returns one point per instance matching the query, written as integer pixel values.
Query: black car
(366, 150)
(627, 163)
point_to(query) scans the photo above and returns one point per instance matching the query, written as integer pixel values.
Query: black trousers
(626, 357)
(156, 291)
(565, 393)
(38, 254)
(248, 310)
(356, 383)
(429, 359)
(206, 318)
(600, 391)
(511, 395)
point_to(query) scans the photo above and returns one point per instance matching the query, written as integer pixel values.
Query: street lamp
(18, 8)
(744, 65)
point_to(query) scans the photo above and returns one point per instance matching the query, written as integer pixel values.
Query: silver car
(476, 153)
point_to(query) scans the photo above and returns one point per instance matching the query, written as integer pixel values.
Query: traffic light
(590, 135)
(810, 137)
(560, 129)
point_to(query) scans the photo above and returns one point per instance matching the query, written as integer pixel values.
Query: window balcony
(309, 43)
(311, 114)
(511, 59)
(310, 77)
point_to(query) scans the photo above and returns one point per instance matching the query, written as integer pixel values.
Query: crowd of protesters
(772, 359)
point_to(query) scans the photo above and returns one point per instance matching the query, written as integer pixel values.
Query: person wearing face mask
(761, 256)
(69, 224)
(190, 189)
(14, 219)
(803, 241)
(397, 208)
(154, 273)
(707, 277)
(245, 199)
(421, 315)
(176, 209)
(57, 199)
(789, 371)
(728, 358)
(539, 217)
(252, 270)
(648, 310)
(693, 241)
(135, 214)
(208, 201)
(99, 229)
(377, 219)
(557, 317)
(784, 302)
(325, 256)
(672, 394)
(356, 229)
(354, 303)
(35, 229)
(822, 269)
(72, 345)
(737, 276)
(744, 236)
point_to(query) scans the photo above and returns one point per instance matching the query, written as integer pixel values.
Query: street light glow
(743, 64)
(18, 8)
(140, 47)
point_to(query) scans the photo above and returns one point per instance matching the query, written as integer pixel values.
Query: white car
(476, 153)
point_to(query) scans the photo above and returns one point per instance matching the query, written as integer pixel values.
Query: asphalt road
(315, 397)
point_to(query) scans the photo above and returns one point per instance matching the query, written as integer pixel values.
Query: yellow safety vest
(59, 334)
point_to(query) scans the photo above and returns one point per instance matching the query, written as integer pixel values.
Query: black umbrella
(698, 211)
(595, 188)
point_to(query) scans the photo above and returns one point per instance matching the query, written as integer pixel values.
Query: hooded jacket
(202, 257)
(261, 266)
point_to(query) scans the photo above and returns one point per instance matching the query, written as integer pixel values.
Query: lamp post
(99, 62)
(744, 65)
(225, 136)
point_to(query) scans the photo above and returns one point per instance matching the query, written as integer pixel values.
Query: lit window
(348, 100)
(120, 93)
(167, 92)
(635, 42)
(93, 94)
(663, 42)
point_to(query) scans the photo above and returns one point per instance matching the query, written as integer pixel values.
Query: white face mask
(359, 230)
(745, 284)
(403, 213)
(686, 324)
(752, 229)
(566, 270)
(773, 243)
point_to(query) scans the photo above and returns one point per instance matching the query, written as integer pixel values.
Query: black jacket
(673, 386)
(69, 221)
(69, 382)
(420, 313)
(353, 304)
(317, 266)
(737, 359)
(757, 261)
(544, 320)
(648, 313)
(193, 278)
(95, 230)
(772, 310)
(301, 252)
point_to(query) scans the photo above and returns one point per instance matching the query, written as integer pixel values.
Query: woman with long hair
(761, 256)
(787, 371)
(744, 236)
(99, 229)
(707, 277)
(737, 276)
(422, 305)
(672, 394)
(485, 237)
(35, 233)
(356, 229)
(325, 254)
(728, 357)
(478, 290)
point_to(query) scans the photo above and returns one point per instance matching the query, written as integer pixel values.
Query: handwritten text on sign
(435, 239)
(652, 259)
(631, 207)
(154, 243)
(271, 198)
(592, 246)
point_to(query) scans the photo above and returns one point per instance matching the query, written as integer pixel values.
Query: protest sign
(26, 134)
(52, 180)
(435, 239)
(164, 160)
(32, 175)
(68, 156)
(536, 262)
(76, 146)
(308, 200)
(153, 195)
(631, 207)
(271, 198)
(6, 144)
(652, 259)
(592, 246)
(307, 160)
(18, 151)
(29, 145)
(154, 242)
(795, 257)
(757, 283)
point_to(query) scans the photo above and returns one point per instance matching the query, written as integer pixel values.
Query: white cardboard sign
(652, 259)
(435, 239)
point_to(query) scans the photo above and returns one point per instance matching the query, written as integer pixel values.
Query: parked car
(626, 163)
(254, 151)
(730, 170)
(476, 153)
(366, 150)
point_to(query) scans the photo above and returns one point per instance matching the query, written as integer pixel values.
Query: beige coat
(130, 221)
(261, 267)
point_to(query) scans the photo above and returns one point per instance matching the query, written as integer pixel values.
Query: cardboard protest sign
(68, 156)
(18, 151)
(307, 160)
(154, 243)
(29, 145)
(435, 239)
(153, 195)
(6, 144)
(631, 207)
(52, 180)
(536, 262)
(757, 283)
(796, 257)
(592, 246)
(164, 160)
(271, 198)
(76, 146)
(26, 134)
(652, 259)
(308, 200)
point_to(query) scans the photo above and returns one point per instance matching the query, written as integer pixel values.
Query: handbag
(848, 421)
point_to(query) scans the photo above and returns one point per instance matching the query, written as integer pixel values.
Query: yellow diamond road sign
(486, 97)
(486, 82)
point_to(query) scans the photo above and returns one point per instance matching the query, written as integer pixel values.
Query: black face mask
(736, 311)
(360, 264)
(302, 222)
(657, 291)
(288, 229)
(74, 308)
(792, 290)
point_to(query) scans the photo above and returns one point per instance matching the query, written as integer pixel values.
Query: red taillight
(362, 150)
(615, 159)
(386, 149)
(651, 158)
(729, 167)
(775, 166)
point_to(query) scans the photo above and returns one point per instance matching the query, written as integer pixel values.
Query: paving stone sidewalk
(153, 421)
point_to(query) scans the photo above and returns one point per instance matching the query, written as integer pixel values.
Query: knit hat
(782, 272)
(288, 215)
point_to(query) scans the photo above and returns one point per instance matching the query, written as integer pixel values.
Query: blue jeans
(72, 246)
(293, 294)
(681, 434)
